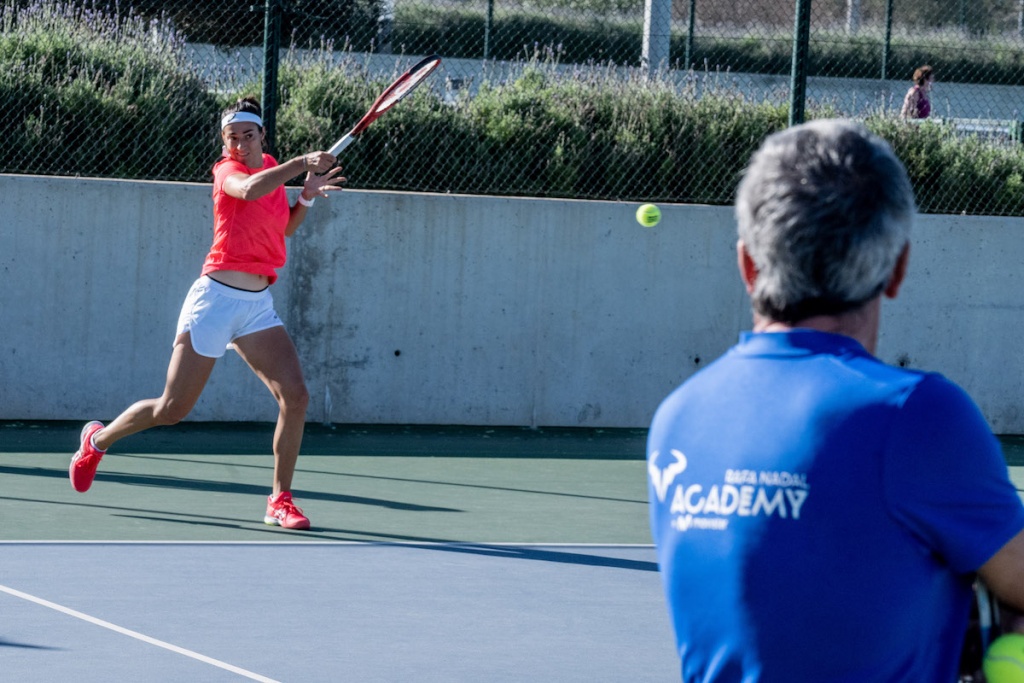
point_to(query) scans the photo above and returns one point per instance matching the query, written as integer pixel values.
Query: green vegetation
(955, 174)
(596, 136)
(542, 134)
(420, 28)
(83, 94)
(967, 42)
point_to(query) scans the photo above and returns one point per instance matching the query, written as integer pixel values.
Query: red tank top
(247, 235)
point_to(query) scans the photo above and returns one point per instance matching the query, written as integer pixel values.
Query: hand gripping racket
(391, 96)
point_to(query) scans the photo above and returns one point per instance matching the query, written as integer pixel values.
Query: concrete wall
(441, 309)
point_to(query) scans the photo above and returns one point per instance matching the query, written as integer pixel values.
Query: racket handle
(341, 144)
(984, 613)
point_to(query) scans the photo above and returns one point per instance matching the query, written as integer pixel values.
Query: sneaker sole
(274, 521)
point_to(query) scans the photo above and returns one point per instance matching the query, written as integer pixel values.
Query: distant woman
(916, 104)
(230, 305)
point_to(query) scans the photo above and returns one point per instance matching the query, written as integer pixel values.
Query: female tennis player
(230, 305)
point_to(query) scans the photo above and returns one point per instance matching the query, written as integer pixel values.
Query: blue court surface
(435, 555)
(331, 612)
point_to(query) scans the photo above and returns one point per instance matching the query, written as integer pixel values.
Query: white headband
(240, 117)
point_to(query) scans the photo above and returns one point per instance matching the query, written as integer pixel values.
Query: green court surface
(207, 482)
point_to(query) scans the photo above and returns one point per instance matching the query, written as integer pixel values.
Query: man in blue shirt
(819, 515)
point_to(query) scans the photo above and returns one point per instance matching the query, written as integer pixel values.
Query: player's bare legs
(272, 356)
(187, 374)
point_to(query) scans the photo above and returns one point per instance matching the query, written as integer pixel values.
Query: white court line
(299, 544)
(136, 635)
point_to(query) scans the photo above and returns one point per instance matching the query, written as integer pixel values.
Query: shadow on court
(28, 646)
(210, 486)
(436, 554)
(414, 484)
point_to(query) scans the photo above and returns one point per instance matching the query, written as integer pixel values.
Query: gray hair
(824, 210)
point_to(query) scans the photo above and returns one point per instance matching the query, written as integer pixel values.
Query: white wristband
(306, 202)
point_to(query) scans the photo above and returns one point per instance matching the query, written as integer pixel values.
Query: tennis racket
(391, 96)
(989, 619)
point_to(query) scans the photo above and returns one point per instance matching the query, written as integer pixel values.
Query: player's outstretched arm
(1004, 572)
(252, 187)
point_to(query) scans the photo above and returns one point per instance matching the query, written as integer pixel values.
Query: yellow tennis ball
(648, 215)
(1004, 659)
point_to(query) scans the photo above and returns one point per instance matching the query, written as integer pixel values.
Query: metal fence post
(385, 26)
(801, 55)
(853, 13)
(657, 35)
(271, 54)
(488, 25)
(888, 40)
(690, 33)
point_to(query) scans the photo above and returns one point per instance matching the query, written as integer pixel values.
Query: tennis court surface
(437, 554)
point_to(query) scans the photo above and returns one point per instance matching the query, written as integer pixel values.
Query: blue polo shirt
(818, 514)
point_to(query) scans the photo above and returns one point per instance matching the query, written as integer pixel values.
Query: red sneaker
(86, 459)
(282, 512)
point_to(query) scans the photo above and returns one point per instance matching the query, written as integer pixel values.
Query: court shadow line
(195, 519)
(26, 646)
(318, 532)
(405, 480)
(511, 551)
(207, 485)
(540, 555)
(365, 537)
(168, 516)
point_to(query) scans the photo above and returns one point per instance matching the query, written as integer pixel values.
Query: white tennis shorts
(216, 315)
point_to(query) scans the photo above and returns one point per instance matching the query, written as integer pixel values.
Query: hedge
(81, 100)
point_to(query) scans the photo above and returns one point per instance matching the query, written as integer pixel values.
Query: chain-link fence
(614, 99)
